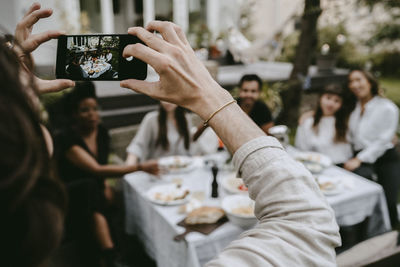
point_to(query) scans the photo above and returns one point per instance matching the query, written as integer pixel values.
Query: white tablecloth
(156, 225)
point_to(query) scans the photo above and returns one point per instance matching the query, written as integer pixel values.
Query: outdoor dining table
(156, 225)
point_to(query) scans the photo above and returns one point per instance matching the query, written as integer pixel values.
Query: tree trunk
(291, 95)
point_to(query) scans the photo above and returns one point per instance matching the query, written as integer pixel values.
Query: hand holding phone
(98, 57)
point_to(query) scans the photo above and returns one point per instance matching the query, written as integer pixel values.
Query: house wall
(267, 17)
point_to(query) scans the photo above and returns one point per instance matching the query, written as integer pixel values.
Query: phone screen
(97, 57)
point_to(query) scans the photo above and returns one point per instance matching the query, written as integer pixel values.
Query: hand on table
(184, 80)
(28, 42)
(352, 164)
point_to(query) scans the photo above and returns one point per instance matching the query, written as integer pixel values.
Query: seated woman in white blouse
(326, 131)
(372, 125)
(161, 133)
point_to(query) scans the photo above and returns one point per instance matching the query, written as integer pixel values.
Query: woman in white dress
(326, 131)
(108, 56)
(372, 126)
(161, 133)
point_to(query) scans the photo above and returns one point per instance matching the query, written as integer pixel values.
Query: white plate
(231, 184)
(177, 164)
(313, 167)
(336, 185)
(159, 194)
(313, 157)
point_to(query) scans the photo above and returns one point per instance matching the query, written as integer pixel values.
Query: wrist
(209, 103)
(139, 167)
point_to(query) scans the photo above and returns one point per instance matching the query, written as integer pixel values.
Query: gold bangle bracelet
(205, 124)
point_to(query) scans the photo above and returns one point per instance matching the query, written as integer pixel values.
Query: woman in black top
(82, 151)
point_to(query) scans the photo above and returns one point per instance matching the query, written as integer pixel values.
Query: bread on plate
(204, 214)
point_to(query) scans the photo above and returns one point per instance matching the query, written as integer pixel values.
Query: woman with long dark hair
(373, 125)
(326, 131)
(162, 133)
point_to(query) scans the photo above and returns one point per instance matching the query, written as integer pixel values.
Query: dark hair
(341, 116)
(370, 78)
(32, 201)
(162, 138)
(249, 78)
(81, 91)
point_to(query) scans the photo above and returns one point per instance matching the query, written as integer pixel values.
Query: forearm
(113, 170)
(82, 159)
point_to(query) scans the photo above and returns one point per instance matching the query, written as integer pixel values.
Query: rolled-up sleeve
(296, 226)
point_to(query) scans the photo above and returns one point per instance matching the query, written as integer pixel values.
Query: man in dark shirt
(249, 100)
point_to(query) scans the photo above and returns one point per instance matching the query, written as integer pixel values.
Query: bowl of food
(240, 210)
(234, 185)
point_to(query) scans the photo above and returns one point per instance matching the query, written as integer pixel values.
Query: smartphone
(97, 57)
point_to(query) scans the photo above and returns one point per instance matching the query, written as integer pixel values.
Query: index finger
(34, 17)
(33, 7)
(148, 38)
(167, 30)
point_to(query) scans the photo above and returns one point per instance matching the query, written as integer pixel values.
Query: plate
(313, 157)
(330, 185)
(168, 194)
(313, 167)
(176, 164)
(234, 185)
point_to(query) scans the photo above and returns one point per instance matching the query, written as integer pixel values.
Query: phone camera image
(97, 57)
(92, 57)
